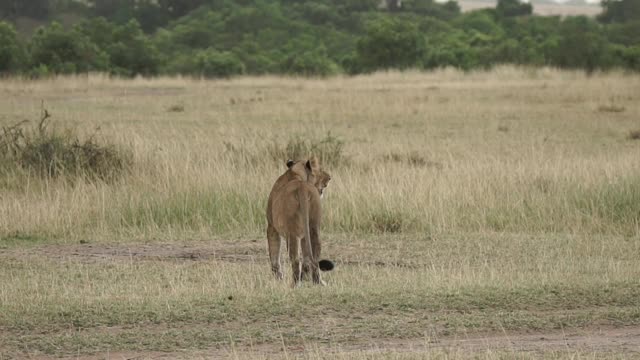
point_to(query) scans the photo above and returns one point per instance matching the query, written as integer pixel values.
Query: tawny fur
(293, 214)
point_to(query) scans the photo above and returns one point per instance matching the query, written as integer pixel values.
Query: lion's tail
(307, 250)
(326, 265)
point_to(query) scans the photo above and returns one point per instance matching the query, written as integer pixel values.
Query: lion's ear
(313, 163)
(290, 163)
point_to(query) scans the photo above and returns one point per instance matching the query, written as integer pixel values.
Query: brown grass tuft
(176, 108)
(51, 153)
(611, 108)
(634, 135)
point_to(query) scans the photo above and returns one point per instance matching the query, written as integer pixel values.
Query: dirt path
(193, 251)
(243, 251)
(615, 341)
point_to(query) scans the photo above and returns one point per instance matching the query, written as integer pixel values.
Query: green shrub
(390, 43)
(11, 52)
(582, 45)
(63, 51)
(211, 63)
(131, 52)
(310, 63)
(507, 8)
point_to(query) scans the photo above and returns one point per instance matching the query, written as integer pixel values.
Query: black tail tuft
(326, 265)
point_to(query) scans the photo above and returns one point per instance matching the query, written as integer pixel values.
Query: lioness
(293, 213)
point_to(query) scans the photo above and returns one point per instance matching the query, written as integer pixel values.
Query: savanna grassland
(483, 214)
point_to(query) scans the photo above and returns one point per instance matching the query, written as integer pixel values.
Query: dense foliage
(221, 38)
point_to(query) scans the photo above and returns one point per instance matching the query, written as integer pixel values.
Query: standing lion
(293, 214)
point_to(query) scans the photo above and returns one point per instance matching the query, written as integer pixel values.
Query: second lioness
(293, 213)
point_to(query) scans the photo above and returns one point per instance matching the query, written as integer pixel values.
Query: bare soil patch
(618, 341)
(247, 251)
(239, 251)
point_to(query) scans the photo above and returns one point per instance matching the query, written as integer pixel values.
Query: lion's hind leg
(308, 268)
(294, 256)
(309, 262)
(274, 243)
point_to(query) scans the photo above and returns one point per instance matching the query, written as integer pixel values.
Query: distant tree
(252, 20)
(390, 42)
(452, 6)
(309, 63)
(359, 5)
(37, 9)
(11, 51)
(150, 15)
(211, 63)
(627, 33)
(393, 5)
(178, 8)
(480, 21)
(619, 11)
(508, 8)
(115, 10)
(449, 49)
(132, 52)
(317, 12)
(581, 44)
(62, 51)
(129, 50)
(62, 6)
(431, 8)
(99, 30)
(630, 57)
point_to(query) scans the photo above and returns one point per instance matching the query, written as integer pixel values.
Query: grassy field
(485, 214)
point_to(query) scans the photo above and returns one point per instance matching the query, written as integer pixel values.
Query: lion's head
(310, 171)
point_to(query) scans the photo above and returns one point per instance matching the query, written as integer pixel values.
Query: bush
(51, 154)
(64, 51)
(328, 149)
(390, 43)
(310, 63)
(432, 8)
(629, 57)
(619, 11)
(359, 5)
(451, 49)
(507, 8)
(131, 52)
(211, 63)
(582, 45)
(11, 52)
(480, 21)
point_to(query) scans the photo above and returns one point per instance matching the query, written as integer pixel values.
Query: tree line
(221, 38)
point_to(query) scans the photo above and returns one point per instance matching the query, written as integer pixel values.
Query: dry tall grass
(515, 150)
(513, 197)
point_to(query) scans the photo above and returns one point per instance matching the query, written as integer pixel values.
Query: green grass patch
(220, 211)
